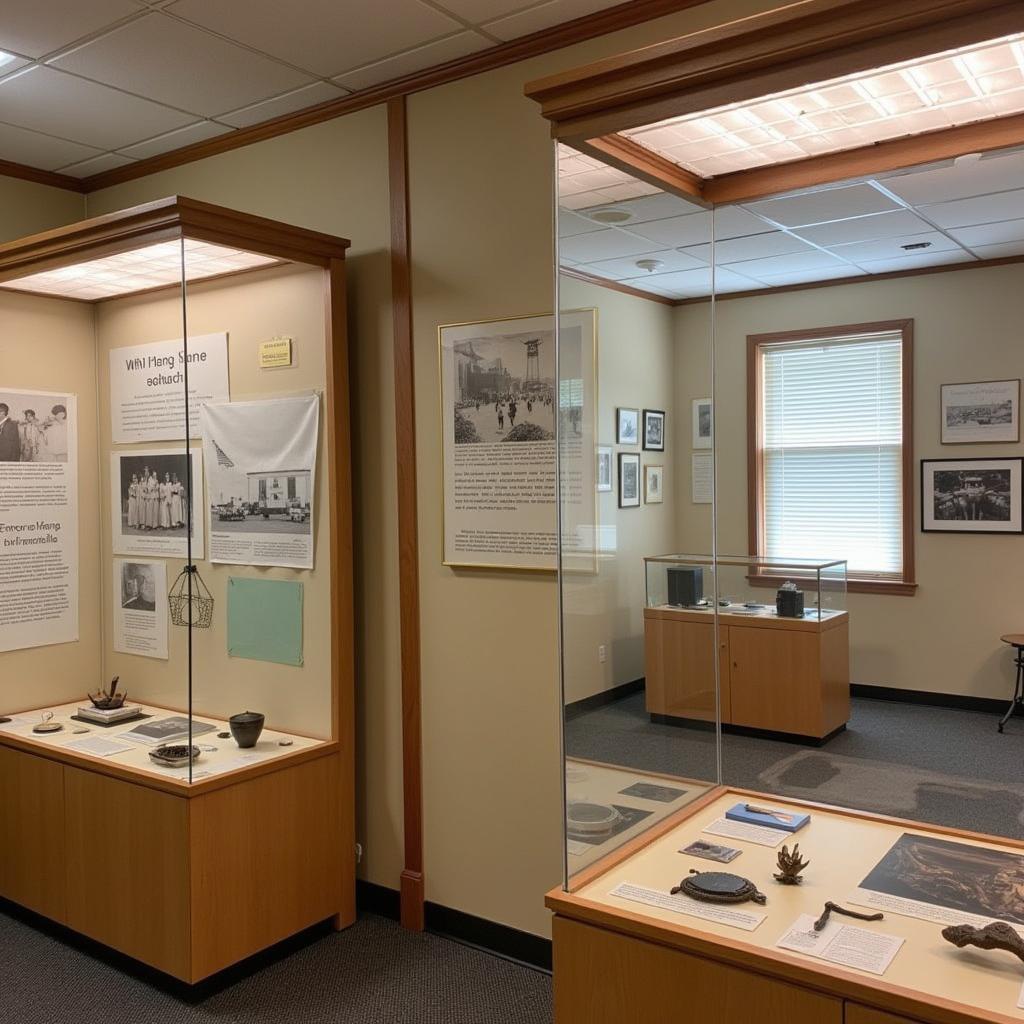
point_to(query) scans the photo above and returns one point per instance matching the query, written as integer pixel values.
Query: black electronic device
(789, 602)
(685, 585)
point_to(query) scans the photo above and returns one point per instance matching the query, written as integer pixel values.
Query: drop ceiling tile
(658, 207)
(47, 100)
(916, 262)
(35, 29)
(479, 11)
(444, 50)
(979, 210)
(9, 63)
(570, 224)
(617, 269)
(735, 221)
(996, 173)
(96, 165)
(146, 57)
(892, 248)
(688, 284)
(749, 247)
(536, 19)
(864, 229)
(695, 228)
(821, 205)
(990, 234)
(197, 132)
(999, 250)
(790, 263)
(607, 243)
(323, 36)
(286, 103)
(43, 151)
(809, 276)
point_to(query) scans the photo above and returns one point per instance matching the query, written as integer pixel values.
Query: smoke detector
(609, 215)
(650, 265)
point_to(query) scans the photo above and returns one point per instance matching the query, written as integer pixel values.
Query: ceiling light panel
(970, 84)
(154, 266)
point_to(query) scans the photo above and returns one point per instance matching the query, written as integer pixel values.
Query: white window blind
(832, 433)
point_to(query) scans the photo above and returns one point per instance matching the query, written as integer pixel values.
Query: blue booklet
(770, 817)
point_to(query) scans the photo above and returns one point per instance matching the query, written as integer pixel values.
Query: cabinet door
(680, 665)
(775, 679)
(857, 1014)
(32, 848)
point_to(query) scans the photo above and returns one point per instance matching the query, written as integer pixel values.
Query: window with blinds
(832, 451)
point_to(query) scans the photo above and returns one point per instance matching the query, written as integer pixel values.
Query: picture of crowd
(154, 494)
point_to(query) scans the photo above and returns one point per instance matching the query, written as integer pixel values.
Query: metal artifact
(831, 908)
(47, 724)
(108, 700)
(997, 935)
(790, 866)
(719, 887)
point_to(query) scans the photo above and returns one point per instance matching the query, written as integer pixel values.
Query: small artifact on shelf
(719, 887)
(590, 819)
(189, 600)
(997, 935)
(834, 908)
(246, 727)
(790, 866)
(174, 755)
(4, 719)
(109, 700)
(789, 601)
(284, 743)
(223, 735)
(47, 724)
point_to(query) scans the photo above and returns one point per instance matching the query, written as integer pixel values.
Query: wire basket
(193, 608)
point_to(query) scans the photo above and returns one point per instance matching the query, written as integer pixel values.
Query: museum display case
(803, 235)
(176, 638)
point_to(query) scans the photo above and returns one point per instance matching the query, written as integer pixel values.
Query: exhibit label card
(38, 518)
(760, 834)
(843, 944)
(147, 387)
(140, 608)
(748, 920)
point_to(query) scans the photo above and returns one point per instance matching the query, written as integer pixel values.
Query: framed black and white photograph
(604, 467)
(981, 412)
(703, 423)
(654, 430)
(629, 480)
(627, 426)
(654, 485)
(971, 495)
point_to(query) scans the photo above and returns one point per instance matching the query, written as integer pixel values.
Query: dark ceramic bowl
(246, 728)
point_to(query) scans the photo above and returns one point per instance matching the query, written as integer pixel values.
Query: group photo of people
(154, 494)
(33, 428)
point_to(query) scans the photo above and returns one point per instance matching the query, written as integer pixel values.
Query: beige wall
(49, 344)
(27, 208)
(945, 638)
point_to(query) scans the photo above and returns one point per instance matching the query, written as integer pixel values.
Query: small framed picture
(703, 423)
(627, 426)
(982, 412)
(629, 479)
(604, 467)
(654, 479)
(654, 430)
(971, 496)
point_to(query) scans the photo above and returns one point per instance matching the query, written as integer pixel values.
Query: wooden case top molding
(805, 42)
(161, 221)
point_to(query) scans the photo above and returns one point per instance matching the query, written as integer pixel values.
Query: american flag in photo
(222, 458)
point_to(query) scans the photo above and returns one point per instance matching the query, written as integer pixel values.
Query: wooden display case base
(741, 730)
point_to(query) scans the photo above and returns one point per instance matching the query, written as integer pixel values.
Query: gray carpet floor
(372, 973)
(942, 766)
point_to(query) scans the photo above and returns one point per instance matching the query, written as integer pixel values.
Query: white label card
(843, 944)
(748, 920)
(99, 746)
(760, 834)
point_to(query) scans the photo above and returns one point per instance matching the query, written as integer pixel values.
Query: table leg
(1017, 694)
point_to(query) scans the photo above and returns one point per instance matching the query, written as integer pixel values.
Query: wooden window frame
(904, 586)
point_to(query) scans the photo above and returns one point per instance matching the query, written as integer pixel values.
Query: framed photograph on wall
(627, 426)
(604, 467)
(654, 430)
(703, 423)
(629, 479)
(654, 485)
(971, 495)
(981, 412)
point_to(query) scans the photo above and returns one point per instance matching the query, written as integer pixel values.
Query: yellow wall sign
(276, 352)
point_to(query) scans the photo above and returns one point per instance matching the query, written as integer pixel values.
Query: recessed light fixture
(6, 58)
(914, 246)
(609, 215)
(650, 265)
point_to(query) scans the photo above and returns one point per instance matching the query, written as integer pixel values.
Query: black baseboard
(953, 701)
(598, 700)
(698, 725)
(489, 936)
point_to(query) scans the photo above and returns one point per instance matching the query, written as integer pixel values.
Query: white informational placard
(702, 478)
(260, 470)
(149, 499)
(762, 835)
(748, 920)
(147, 387)
(843, 944)
(140, 608)
(38, 518)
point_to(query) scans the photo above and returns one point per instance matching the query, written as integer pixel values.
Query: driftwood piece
(834, 908)
(993, 936)
(790, 866)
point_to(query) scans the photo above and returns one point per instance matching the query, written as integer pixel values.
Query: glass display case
(174, 476)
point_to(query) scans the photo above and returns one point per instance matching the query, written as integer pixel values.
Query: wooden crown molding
(624, 15)
(812, 40)
(615, 286)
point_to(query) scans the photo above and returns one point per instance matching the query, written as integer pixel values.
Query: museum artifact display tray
(176, 710)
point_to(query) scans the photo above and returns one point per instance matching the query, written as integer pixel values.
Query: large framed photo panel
(971, 495)
(500, 395)
(982, 412)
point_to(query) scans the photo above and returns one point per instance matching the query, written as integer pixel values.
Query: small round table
(1016, 641)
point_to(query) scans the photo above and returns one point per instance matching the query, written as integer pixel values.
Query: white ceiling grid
(960, 211)
(87, 86)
